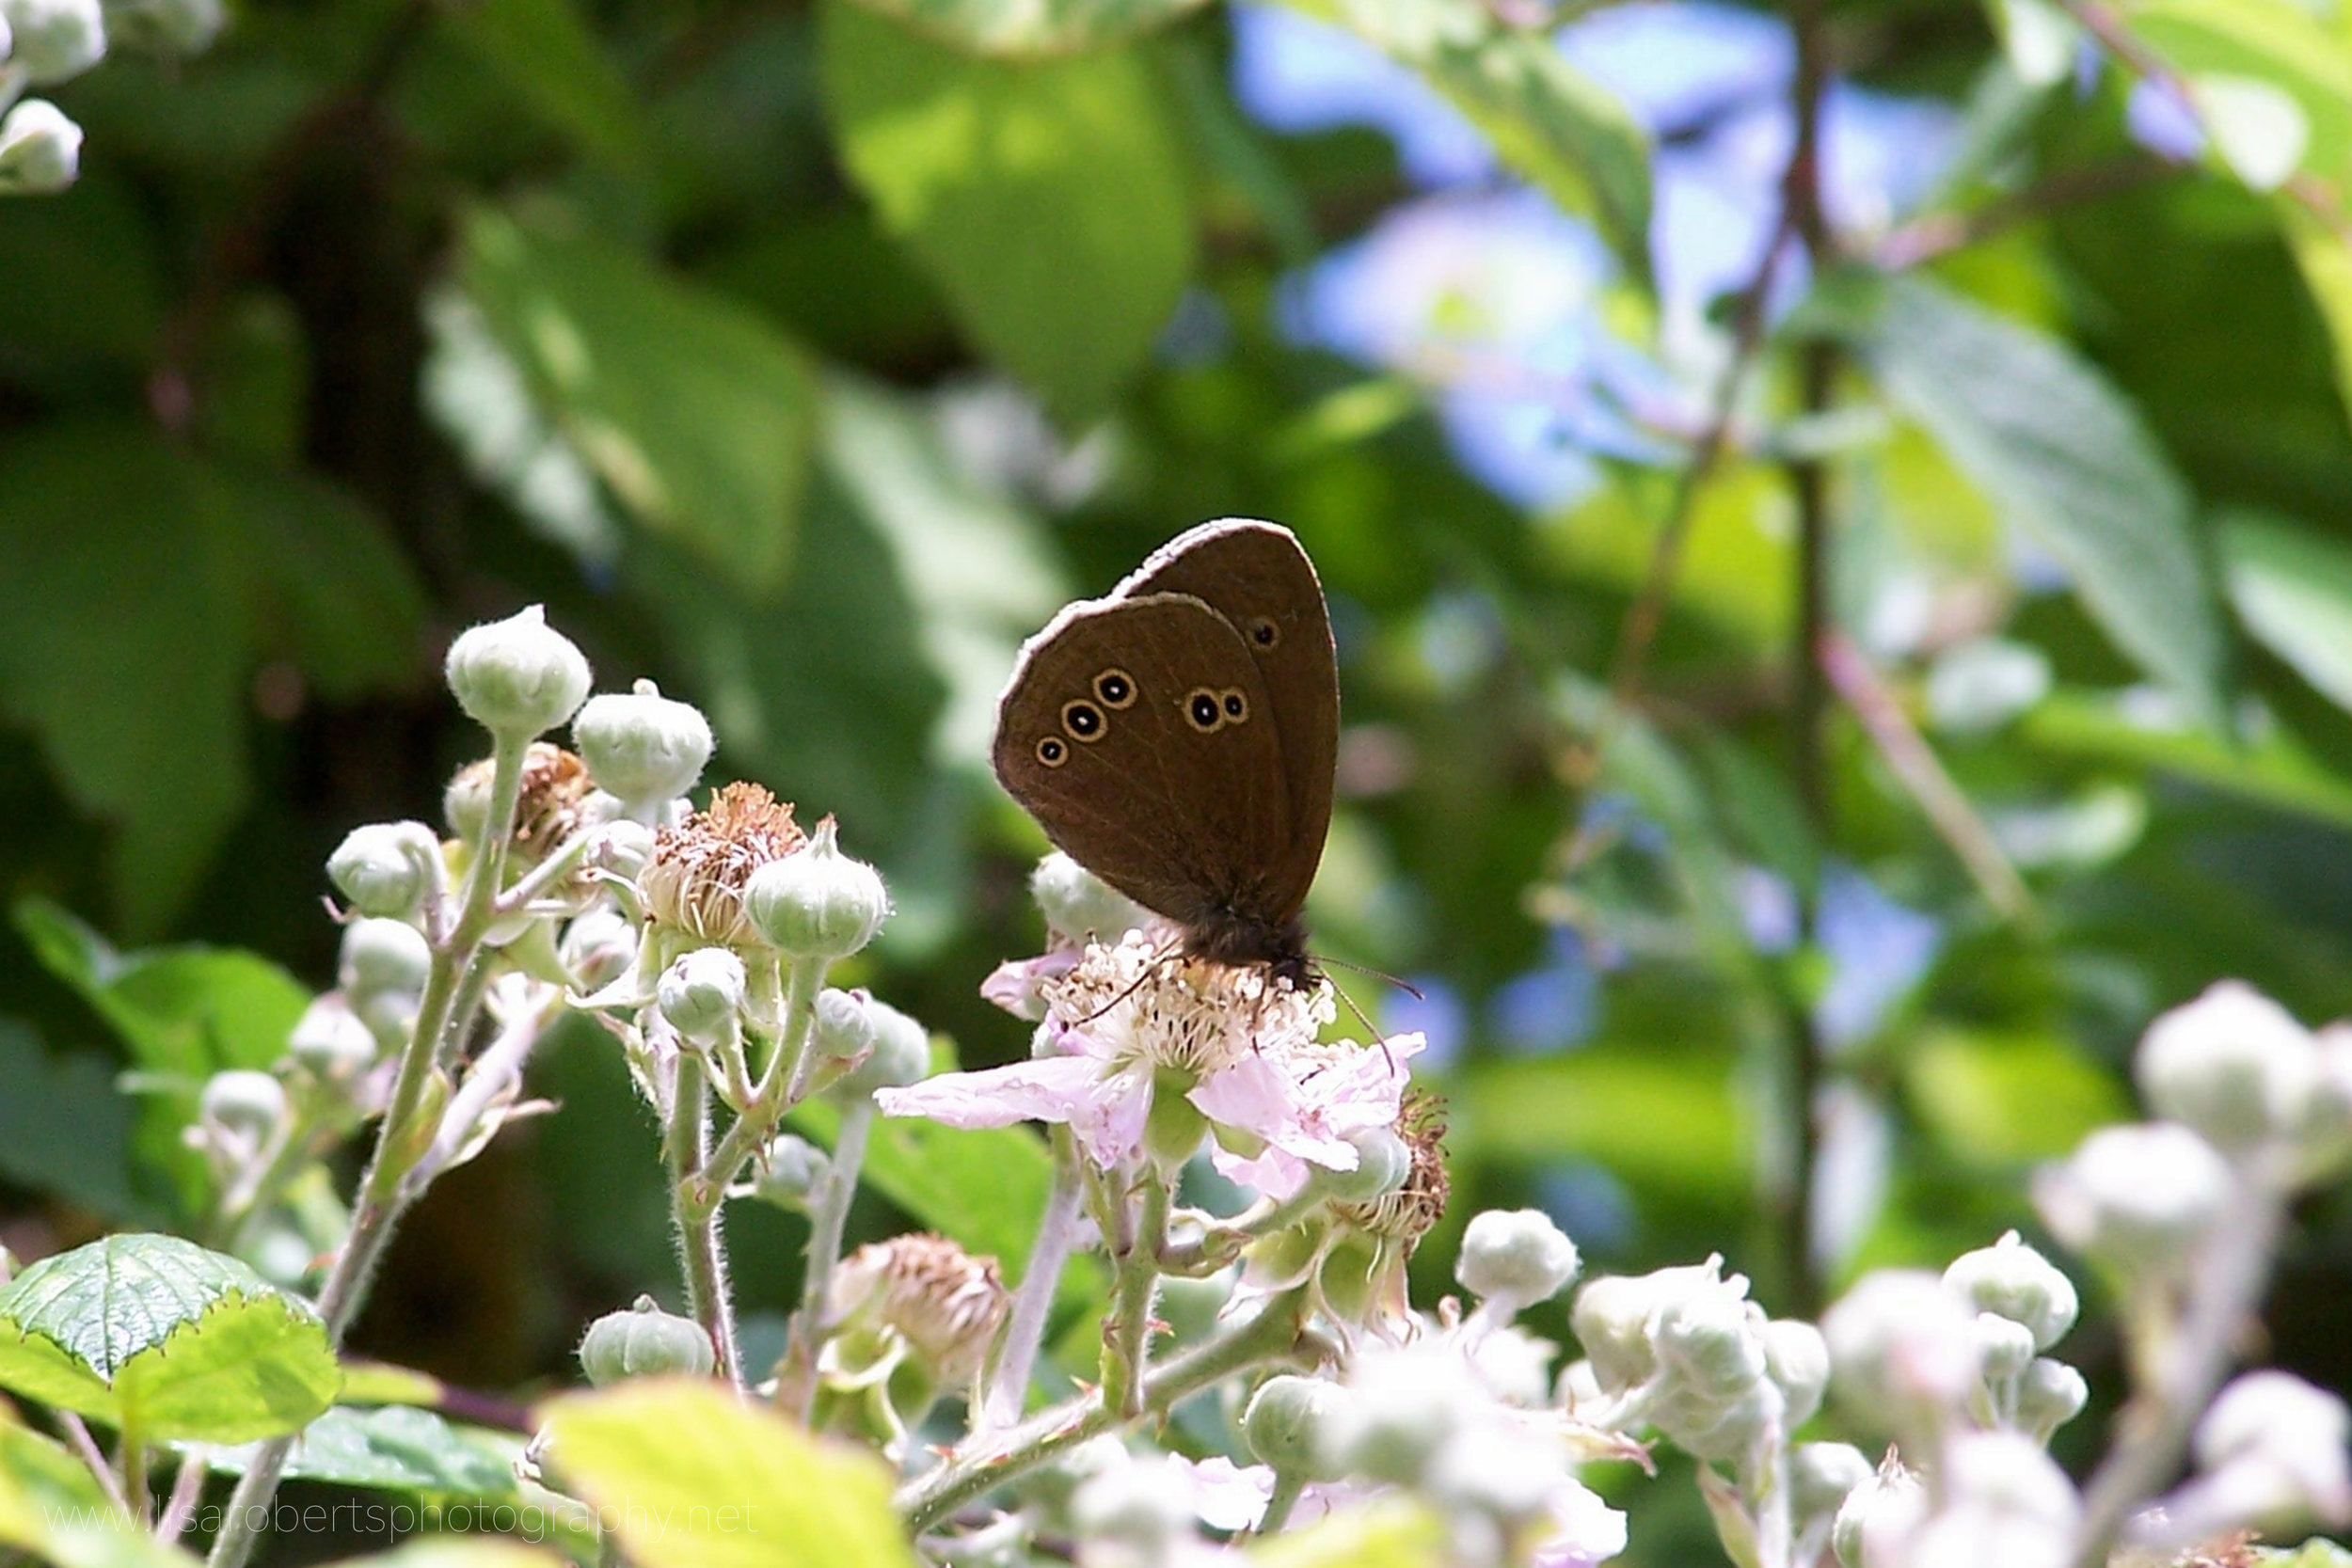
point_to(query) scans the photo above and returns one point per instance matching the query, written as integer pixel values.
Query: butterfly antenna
(1406, 986)
(1157, 958)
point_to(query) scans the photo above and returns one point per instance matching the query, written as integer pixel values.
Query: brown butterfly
(1177, 738)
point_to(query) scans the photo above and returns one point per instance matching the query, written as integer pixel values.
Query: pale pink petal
(1018, 985)
(1226, 1496)
(1586, 1530)
(1270, 1171)
(1052, 1088)
(1256, 1095)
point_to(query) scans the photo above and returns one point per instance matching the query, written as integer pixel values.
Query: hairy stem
(398, 1144)
(1033, 1303)
(702, 1247)
(2226, 1288)
(796, 1379)
(1128, 1336)
(988, 1461)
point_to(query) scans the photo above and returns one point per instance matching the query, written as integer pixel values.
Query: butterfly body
(1177, 738)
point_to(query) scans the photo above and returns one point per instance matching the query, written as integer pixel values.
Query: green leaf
(1015, 28)
(1548, 120)
(155, 1334)
(2271, 770)
(64, 1128)
(2314, 1553)
(460, 1551)
(394, 1447)
(185, 1012)
(123, 645)
(697, 1479)
(2275, 44)
(972, 561)
(189, 1010)
(2292, 588)
(696, 413)
(51, 1507)
(2009, 1099)
(2056, 447)
(548, 54)
(1047, 199)
(1666, 1119)
(2325, 260)
(1385, 1534)
(333, 592)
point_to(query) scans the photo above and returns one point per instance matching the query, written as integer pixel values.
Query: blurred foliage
(805, 356)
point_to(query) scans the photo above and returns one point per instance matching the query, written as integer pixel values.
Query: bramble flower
(1128, 1024)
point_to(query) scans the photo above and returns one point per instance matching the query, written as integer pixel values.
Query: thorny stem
(702, 1251)
(1808, 715)
(77, 1436)
(1033, 1302)
(1128, 1336)
(2225, 1288)
(796, 1379)
(986, 1462)
(381, 1197)
(758, 1124)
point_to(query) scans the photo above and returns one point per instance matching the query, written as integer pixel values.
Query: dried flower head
(547, 809)
(695, 882)
(947, 1304)
(1407, 1213)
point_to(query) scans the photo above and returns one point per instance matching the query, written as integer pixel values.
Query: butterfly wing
(1139, 733)
(1255, 575)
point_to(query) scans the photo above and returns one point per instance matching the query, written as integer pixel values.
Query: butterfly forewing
(1255, 575)
(1140, 734)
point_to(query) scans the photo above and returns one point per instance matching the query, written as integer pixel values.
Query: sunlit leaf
(2292, 588)
(2056, 447)
(689, 1476)
(1033, 27)
(393, 1448)
(1549, 121)
(1047, 198)
(157, 1335)
(2010, 1099)
(2273, 769)
(1663, 1118)
(694, 412)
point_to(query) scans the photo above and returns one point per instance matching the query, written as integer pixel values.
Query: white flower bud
(1510, 1363)
(1711, 1344)
(166, 27)
(1974, 1536)
(644, 1342)
(817, 902)
(1080, 907)
(2324, 1135)
(1902, 1350)
(2017, 1282)
(1383, 1161)
(1615, 1316)
(844, 1029)
(643, 746)
(1284, 1420)
(902, 1054)
(1796, 1358)
(1878, 1518)
(1407, 1406)
(792, 1170)
(382, 957)
(2232, 1066)
(2004, 1346)
(243, 1102)
(2008, 1474)
(2049, 1395)
(1820, 1475)
(1514, 1258)
(54, 39)
(331, 1043)
(386, 868)
(1504, 1473)
(1141, 1507)
(621, 849)
(2273, 1447)
(598, 947)
(517, 678)
(2143, 1197)
(41, 150)
(702, 994)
